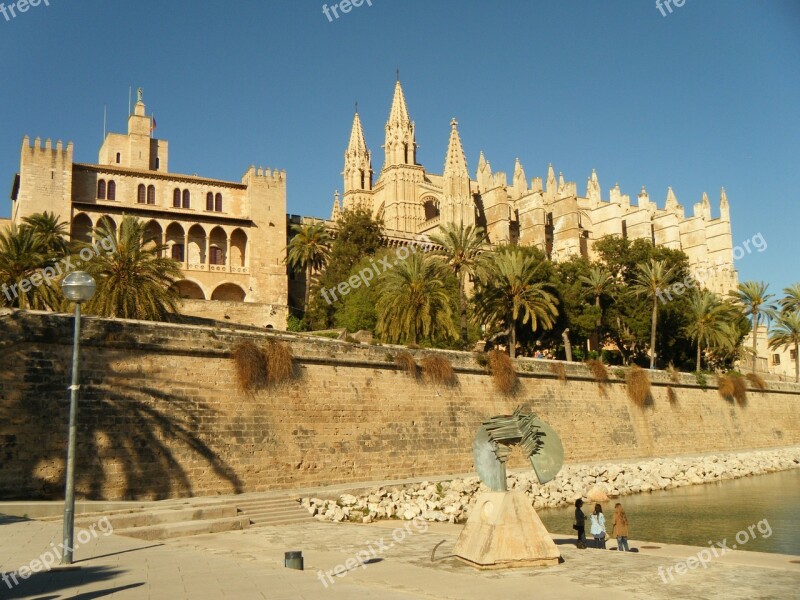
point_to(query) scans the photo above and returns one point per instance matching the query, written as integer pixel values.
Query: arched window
(151, 194)
(112, 190)
(119, 157)
(176, 198)
(209, 201)
(101, 189)
(218, 203)
(216, 256)
(177, 252)
(141, 197)
(187, 199)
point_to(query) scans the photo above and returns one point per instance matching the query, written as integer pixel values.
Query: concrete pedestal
(504, 531)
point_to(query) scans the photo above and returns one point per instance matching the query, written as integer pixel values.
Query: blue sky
(707, 96)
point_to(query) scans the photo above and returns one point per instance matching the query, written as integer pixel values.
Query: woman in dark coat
(580, 524)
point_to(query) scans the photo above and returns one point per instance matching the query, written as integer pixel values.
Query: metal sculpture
(498, 435)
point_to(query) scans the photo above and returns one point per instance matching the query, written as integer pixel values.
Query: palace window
(119, 157)
(218, 203)
(112, 190)
(793, 354)
(209, 201)
(776, 359)
(176, 198)
(141, 196)
(177, 252)
(101, 189)
(216, 256)
(151, 194)
(187, 199)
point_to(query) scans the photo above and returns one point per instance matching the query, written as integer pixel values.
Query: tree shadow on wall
(131, 430)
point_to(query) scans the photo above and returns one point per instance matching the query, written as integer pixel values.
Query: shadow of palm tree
(55, 581)
(149, 433)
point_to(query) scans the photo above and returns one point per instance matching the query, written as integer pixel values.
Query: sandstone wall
(161, 415)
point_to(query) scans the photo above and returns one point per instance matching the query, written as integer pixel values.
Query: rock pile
(451, 501)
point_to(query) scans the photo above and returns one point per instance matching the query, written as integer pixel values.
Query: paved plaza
(387, 560)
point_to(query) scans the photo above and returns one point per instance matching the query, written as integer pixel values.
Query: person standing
(598, 529)
(619, 529)
(580, 524)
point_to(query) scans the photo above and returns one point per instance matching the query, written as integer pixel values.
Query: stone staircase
(196, 516)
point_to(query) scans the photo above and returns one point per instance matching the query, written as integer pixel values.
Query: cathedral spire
(724, 207)
(357, 160)
(400, 144)
(357, 143)
(672, 201)
(455, 164)
(520, 181)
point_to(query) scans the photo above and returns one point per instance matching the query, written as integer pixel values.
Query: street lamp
(78, 287)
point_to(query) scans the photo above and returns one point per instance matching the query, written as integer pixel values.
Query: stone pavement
(396, 560)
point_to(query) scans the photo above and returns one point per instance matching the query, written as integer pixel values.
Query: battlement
(272, 177)
(32, 149)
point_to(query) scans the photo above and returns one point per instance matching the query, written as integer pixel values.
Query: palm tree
(309, 249)
(755, 301)
(649, 280)
(49, 232)
(133, 280)
(708, 322)
(21, 257)
(791, 301)
(597, 284)
(787, 333)
(413, 301)
(461, 250)
(509, 290)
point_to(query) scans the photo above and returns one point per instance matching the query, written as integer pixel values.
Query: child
(599, 526)
(620, 528)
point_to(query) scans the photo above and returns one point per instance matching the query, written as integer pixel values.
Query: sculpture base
(503, 531)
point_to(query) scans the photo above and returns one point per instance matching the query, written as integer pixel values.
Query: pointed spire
(724, 207)
(672, 201)
(481, 161)
(358, 144)
(520, 181)
(705, 201)
(455, 163)
(398, 115)
(593, 187)
(336, 212)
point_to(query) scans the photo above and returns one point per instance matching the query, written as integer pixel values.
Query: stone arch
(153, 235)
(81, 229)
(189, 290)
(175, 240)
(431, 206)
(106, 223)
(230, 292)
(238, 249)
(218, 246)
(197, 245)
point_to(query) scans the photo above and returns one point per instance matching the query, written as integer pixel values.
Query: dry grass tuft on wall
(251, 367)
(405, 360)
(757, 381)
(733, 387)
(638, 381)
(599, 370)
(671, 395)
(559, 370)
(438, 369)
(279, 362)
(503, 374)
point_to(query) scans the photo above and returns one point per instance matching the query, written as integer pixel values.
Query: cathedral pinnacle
(455, 162)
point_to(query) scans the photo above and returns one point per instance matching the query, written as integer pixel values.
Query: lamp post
(78, 287)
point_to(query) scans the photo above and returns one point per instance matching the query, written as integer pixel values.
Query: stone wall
(161, 415)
